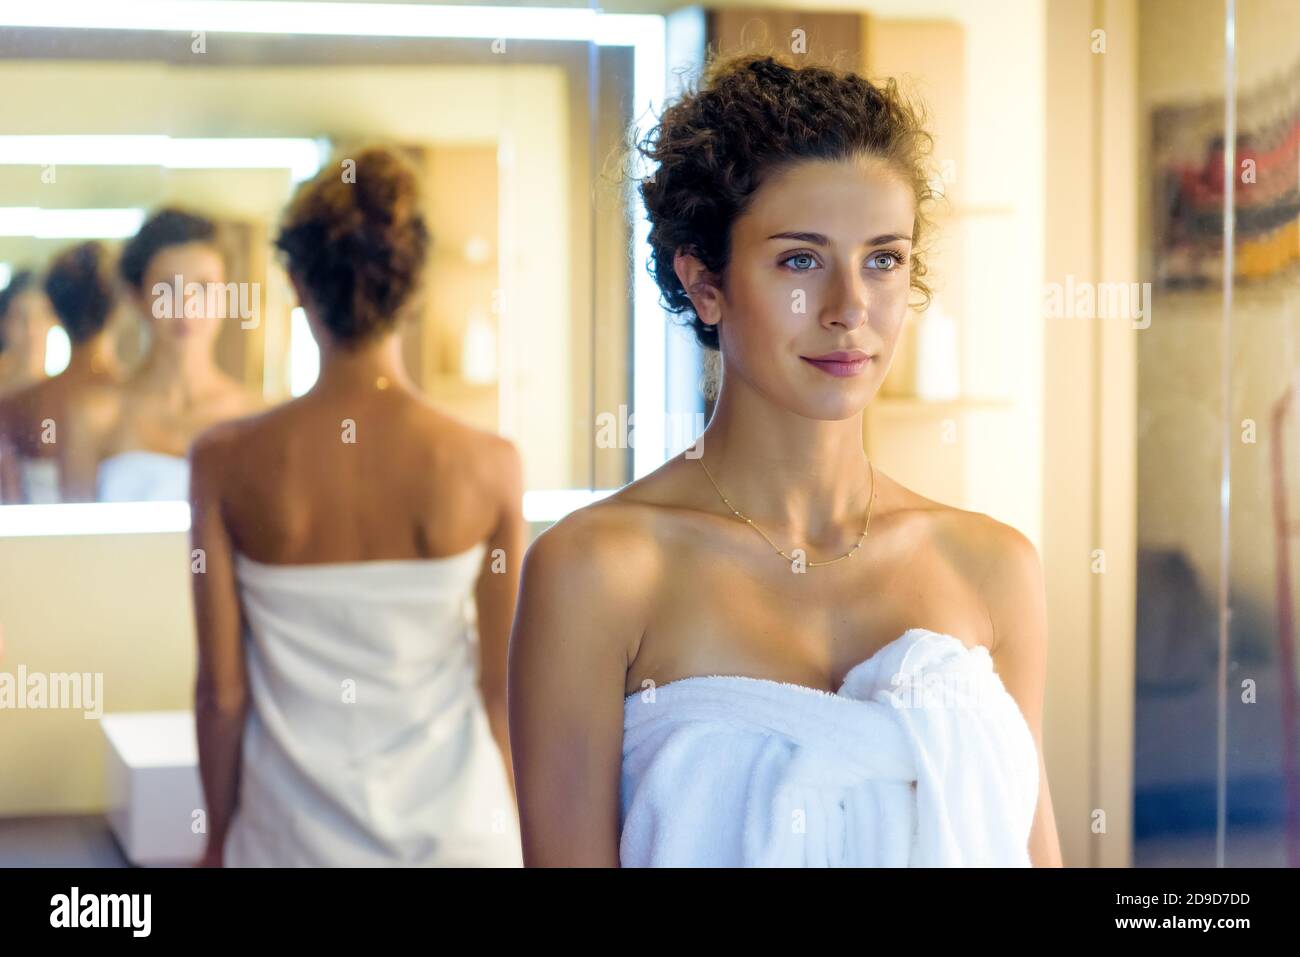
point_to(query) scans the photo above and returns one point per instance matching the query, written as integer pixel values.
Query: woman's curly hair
(79, 285)
(358, 244)
(19, 283)
(167, 227)
(750, 116)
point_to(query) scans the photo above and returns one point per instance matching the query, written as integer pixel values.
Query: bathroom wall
(116, 605)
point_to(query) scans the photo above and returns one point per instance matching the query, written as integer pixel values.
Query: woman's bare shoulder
(99, 408)
(613, 547)
(234, 399)
(467, 441)
(975, 542)
(601, 541)
(241, 433)
(972, 541)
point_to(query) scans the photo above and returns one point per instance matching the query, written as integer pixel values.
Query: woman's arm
(496, 592)
(221, 688)
(581, 614)
(1014, 595)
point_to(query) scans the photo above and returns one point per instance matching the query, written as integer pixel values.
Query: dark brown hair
(750, 116)
(358, 244)
(19, 283)
(80, 289)
(167, 227)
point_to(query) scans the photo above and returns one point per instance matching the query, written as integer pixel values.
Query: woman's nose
(848, 304)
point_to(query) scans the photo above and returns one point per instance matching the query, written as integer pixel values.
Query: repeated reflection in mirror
(144, 300)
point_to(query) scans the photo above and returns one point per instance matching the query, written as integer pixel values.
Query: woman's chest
(806, 627)
(159, 429)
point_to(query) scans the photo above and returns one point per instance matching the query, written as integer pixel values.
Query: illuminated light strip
(58, 350)
(69, 223)
(304, 354)
(309, 19)
(649, 324)
(302, 157)
(551, 505)
(93, 518)
(115, 518)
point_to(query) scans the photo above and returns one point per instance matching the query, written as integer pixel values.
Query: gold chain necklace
(750, 521)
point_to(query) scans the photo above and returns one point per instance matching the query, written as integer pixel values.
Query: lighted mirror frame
(644, 34)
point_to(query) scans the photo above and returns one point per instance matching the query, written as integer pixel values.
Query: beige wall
(118, 605)
(1089, 413)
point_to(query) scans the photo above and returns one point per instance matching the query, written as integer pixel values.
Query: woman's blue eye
(801, 256)
(896, 259)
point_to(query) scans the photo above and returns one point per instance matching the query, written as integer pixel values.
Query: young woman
(369, 543)
(25, 322)
(79, 287)
(726, 662)
(129, 442)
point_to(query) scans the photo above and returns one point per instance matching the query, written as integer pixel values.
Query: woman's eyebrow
(819, 239)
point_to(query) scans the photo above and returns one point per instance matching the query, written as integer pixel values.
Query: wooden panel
(827, 39)
(239, 350)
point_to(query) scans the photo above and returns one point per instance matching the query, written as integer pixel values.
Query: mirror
(526, 324)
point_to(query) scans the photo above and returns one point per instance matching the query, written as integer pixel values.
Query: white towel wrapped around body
(922, 759)
(368, 744)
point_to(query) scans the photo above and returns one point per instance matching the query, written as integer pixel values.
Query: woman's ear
(700, 286)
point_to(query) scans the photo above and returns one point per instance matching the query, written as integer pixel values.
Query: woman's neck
(179, 374)
(376, 364)
(93, 359)
(807, 479)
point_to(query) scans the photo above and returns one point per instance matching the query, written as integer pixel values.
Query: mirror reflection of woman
(724, 662)
(79, 287)
(129, 442)
(25, 323)
(370, 544)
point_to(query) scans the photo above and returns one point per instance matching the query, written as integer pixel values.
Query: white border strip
(93, 518)
(142, 518)
(309, 19)
(39, 223)
(551, 505)
(301, 156)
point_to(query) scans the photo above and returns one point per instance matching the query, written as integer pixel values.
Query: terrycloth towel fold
(921, 759)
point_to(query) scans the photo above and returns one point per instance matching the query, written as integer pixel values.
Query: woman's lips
(839, 367)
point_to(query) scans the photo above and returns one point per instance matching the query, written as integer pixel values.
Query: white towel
(40, 481)
(921, 759)
(367, 743)
(142, 476)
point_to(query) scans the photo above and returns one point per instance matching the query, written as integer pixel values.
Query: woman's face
(820, 264)
(192, 318)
